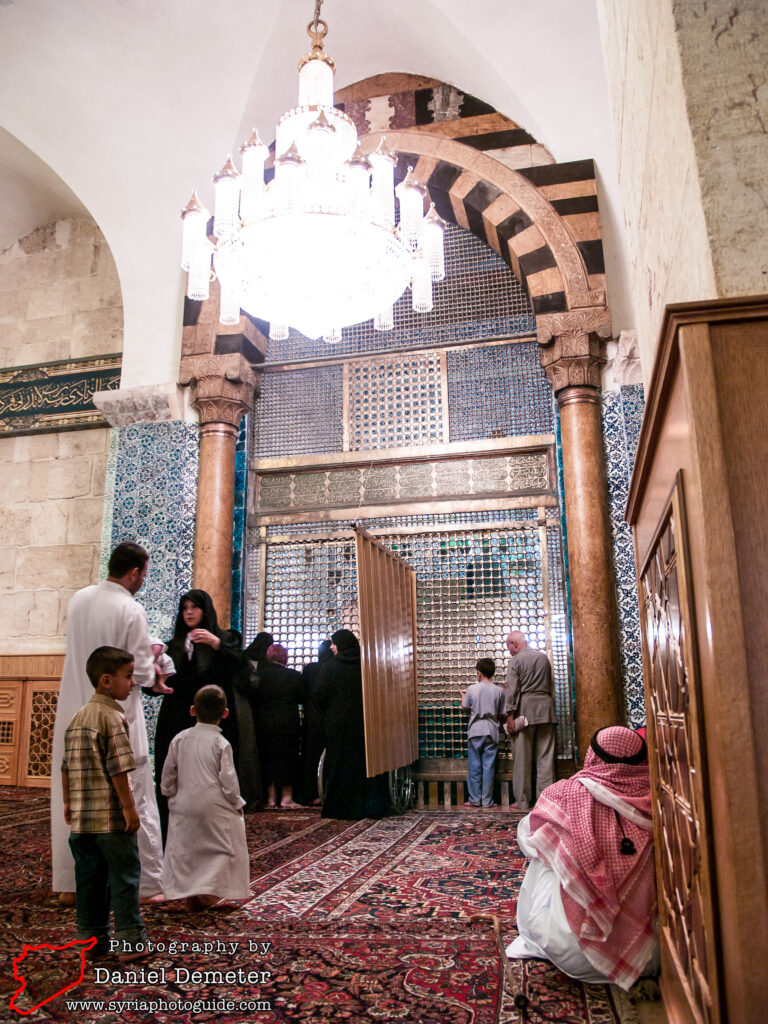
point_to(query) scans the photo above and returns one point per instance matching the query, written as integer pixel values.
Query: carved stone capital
(572, 346)
(152, 403)
(223, 386)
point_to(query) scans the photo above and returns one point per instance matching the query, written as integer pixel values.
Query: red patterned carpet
(348, 921)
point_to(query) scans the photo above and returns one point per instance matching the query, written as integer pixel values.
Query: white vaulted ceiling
(121, 107)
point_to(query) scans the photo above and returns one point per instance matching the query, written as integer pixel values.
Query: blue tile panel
(155, 494)
(622, 415)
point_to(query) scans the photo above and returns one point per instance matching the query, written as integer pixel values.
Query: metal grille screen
(395, 402)
(398, 400)
(299, 412)
(480, 298)
(311, 592)
(498, 391)
(471, 586)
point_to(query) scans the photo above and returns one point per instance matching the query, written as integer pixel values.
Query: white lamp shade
(316, 84)
(225, 216)
(421, 285)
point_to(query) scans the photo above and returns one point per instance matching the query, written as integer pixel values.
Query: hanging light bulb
(254, 154)
(229, 304)
(410, 195)
(318, 146)
(434, 243)
(316, 70)
(289, 174)
(227, 192)
(383, 184)
(421, 286)
(195, 220)
(333, 337)
(199, 280)
(357, 174)
(385, 320)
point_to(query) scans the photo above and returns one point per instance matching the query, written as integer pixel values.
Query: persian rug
(347, 921)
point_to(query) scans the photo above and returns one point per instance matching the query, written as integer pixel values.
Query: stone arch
(504, 209)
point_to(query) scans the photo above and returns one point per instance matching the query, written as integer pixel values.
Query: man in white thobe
(107, 615)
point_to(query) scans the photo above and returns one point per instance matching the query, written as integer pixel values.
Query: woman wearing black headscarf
(348, 793)
(312, 742)
(202, 654)
(258, 647)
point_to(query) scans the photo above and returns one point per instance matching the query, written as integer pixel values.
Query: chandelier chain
(316, 22)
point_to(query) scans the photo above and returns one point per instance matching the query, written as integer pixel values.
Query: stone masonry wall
(689, 92)
(59, 298)
(668, 248)
(724, 55)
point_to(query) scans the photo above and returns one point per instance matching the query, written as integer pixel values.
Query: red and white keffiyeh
(609, 897)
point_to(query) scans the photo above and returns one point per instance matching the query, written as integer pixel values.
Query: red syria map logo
(84, 944)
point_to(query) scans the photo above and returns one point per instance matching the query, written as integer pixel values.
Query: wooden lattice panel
(42, 717)
(683, 856)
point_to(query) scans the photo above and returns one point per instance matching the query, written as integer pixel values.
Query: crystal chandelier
(316, 248)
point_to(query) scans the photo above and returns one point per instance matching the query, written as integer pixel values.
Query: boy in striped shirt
(99, 807)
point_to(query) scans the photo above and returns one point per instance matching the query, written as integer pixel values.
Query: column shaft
(215, 512)
(597, 661)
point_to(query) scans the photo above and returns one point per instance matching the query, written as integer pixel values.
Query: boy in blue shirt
(485, 700)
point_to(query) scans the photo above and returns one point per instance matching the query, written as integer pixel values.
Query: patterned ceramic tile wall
(155, 493)
(622, 414)
(154, 505)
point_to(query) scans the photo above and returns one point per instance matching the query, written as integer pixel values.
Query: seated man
(588, 899)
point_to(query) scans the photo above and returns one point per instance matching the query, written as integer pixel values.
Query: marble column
(223, 389)
(572, 350)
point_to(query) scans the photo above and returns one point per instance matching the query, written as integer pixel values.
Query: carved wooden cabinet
(699, 508)
(29, 688)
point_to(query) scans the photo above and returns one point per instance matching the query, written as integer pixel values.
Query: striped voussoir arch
(543, 221)
(487, 174)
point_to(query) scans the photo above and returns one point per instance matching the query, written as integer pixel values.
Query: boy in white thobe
(206, 854)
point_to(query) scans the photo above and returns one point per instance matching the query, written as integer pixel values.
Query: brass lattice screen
(475, 578)
(387, 608)
(447, 456)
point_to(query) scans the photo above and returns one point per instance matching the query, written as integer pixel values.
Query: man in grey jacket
(531, 694)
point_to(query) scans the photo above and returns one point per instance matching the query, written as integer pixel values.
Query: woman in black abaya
(312, 742)
(348, 793)
(202, 654)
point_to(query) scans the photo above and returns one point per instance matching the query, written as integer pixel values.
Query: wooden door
(386, 594)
